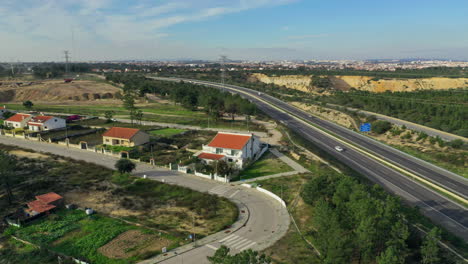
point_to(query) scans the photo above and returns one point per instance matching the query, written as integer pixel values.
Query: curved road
(265, 220)
(451, 215)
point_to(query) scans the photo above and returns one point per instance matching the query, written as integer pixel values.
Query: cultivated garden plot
(95, 238)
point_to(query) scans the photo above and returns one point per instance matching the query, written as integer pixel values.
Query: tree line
(213, 101)
(355, 223)
(444, 110)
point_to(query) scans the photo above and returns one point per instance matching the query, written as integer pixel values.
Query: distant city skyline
(265, 30)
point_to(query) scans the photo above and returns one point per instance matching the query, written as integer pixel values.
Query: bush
(381, 126)
(125, 166)
(457, 143)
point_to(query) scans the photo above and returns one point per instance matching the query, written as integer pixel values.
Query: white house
(232, 147)
(18, 121)
(44, 123)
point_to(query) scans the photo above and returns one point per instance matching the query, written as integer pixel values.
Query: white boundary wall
(274, 196)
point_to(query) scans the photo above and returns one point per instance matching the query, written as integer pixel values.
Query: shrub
(381, 126)
(125, 166)
(457, 143)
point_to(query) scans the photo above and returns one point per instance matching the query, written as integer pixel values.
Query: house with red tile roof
(123, 136)
(44, 123)
(18, 121)
(235, 148)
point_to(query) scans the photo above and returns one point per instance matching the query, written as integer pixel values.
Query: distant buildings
(127, 137)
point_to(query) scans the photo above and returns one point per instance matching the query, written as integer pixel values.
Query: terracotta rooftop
(210, 156)
(18, 117)
(229, 141)
(121, 132)
(49, 197)
(40, 119)
(40, 207)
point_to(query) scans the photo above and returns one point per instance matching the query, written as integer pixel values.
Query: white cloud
(107, 25)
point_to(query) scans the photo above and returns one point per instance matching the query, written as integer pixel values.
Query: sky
(40, 30)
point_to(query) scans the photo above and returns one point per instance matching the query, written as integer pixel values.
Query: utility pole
(67, 60)
(223, 59)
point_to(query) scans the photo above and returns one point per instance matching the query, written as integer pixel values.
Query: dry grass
(133, 243)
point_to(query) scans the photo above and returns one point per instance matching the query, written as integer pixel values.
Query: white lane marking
(248, 246)
(232, 195)
(226, 238)
(232, 240)
(237, 243)
(220, 189)
(243, 244)
(212, 247)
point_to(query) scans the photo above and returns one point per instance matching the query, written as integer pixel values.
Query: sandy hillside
(56, 91)
(365, 83)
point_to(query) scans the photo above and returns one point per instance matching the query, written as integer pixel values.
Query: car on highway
(338, 148)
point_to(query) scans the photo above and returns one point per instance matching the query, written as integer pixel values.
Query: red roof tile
(40, 119)
(18, 117)
(210, 156)
(48, 197)
(40, 207)
(121, 132)
(229, 141)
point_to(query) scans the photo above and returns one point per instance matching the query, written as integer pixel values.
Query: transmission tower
(223, 59)
(67, 60)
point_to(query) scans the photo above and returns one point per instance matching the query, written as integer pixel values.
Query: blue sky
(39, 30)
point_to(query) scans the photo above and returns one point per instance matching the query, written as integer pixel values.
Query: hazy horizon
(111, 30)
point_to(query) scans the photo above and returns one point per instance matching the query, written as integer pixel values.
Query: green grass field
(73, 233)
(167, 132)
(268, 164)
(156, 112)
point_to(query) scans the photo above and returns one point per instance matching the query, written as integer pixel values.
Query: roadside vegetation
(443, 110)
(348, 219)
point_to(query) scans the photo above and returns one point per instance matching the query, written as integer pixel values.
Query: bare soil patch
(132, 243)
(31, 155)
(57, 91)
(329, 114)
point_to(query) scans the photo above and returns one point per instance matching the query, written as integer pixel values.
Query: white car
(338, 148)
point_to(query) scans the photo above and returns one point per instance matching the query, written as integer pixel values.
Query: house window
(230, 160)
(219, 150)
(107, 140)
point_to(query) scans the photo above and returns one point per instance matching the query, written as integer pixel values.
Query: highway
(451, 215)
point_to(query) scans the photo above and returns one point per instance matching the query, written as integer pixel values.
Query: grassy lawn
(268, 164)
(167, 132)
(156, 112)
(75, 234)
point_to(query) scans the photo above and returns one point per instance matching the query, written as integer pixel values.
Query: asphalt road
(441, 210)
(267, 222)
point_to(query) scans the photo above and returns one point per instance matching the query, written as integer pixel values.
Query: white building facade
(18, 121)
(45, 123)
(234, 148)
